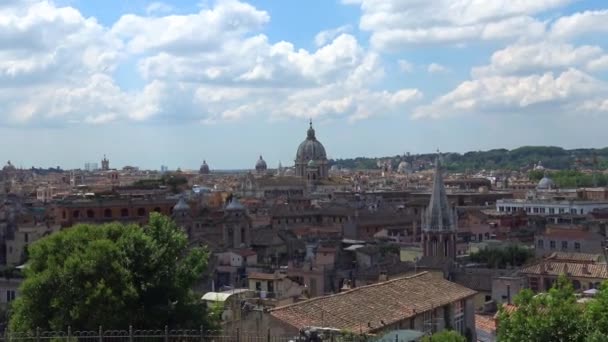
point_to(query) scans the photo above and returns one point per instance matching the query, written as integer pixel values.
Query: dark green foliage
(571, 178)
(175, 181)
(555, 316)
(445, 336)
(524, 157)
(112, 275)
(512, 255)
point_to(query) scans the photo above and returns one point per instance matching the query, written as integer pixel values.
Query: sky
(174, 83)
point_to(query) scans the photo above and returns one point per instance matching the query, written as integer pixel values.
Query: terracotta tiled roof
(485, 323)
(570, 234)
(578, 270)
(364, 308)
(575, 257)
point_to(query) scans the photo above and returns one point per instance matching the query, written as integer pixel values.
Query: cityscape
(210, 176)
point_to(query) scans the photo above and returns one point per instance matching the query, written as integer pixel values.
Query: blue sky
(176, 82)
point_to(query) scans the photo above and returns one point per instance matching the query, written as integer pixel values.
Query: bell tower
(439, 221)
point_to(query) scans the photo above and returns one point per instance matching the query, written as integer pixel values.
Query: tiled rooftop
(573, 269)
(363, 309)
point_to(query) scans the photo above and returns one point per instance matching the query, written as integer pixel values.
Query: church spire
(439, 215)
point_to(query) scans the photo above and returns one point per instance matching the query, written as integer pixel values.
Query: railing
(134, 335)
(167, 335)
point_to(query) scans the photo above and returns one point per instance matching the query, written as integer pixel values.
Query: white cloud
(534, 94)
(529, 58)
(327, 36)
(405, 66)
(158, 7)
(394, 23)
(598, 64)
(56, 66)
(435, 68)
(580, 23)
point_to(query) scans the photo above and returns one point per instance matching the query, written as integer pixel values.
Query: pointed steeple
(438, 216)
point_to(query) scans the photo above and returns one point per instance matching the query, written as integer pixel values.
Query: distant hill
(520, 158)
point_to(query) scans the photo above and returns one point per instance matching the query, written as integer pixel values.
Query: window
(551, 210)
(76, 214)
(10, 296)
(564, 244)
(577, 246)
(459, 316)
(552, 244)
(258, 286)
(141, 212)
(27, 237)
(533, 283)
(540, 244)
(124, 212)
(90, 214)
(427, 321)
(107, 213)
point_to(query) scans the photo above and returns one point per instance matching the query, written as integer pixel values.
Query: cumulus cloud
(57, 66)
(580, 23)
(394, 23)
(563, 93)
(158, 7)
(435, 68)
(327, 36)
(544, 55)
(405, 66)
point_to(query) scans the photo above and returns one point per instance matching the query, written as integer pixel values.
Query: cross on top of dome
(310, 135)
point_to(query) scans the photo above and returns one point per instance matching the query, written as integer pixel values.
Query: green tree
(445, 336)
(113, 275)
(512, 255)
(552, 316)
(596, 312)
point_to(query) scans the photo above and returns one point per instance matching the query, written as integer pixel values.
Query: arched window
(76, 213)
(107, 213)
(124, 212)
(157, 209)
(90, 214)
(63, 214)
(141, 212)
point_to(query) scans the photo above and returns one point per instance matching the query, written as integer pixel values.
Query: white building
(549, 207)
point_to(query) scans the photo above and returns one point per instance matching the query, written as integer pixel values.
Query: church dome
(545, 183)
(260, 165)
(311, 148)
(204, 168)
(9, 166)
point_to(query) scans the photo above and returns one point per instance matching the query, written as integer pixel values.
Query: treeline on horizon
(522, 158)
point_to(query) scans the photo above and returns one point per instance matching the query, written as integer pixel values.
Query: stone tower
(237, 225)
(439, 221)
(182, 215)
(105, 163)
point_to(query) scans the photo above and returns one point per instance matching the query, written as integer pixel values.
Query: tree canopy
(523, 157)
(555, 316)
(445, 336)
(512, 255)
(112, 275)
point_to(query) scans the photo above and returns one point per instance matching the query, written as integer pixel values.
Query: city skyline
(175, 83)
